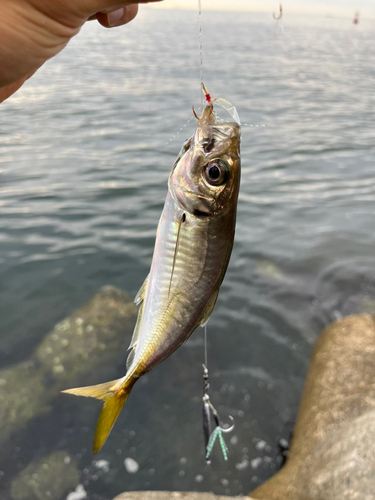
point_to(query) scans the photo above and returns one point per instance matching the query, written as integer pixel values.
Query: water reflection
(85, 157)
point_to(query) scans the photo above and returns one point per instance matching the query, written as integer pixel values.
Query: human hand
(32, 31)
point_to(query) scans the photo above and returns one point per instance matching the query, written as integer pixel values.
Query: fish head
(206, 175)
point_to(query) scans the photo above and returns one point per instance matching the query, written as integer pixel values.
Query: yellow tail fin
(114, 397)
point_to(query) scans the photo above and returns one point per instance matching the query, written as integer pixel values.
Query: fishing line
(205, 345)
(210, 414)
(200, 49)
(182, 128)
(192, 116)
(201, 78)
(200, 70)
(201, 94)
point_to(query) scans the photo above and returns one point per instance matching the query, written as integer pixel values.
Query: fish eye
(216, 172)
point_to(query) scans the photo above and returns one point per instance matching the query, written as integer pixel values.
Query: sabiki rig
(193, 245)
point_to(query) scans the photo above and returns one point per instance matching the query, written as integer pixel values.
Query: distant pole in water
(277, 18)
(356, 17)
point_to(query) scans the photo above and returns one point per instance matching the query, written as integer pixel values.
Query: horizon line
(306, 13)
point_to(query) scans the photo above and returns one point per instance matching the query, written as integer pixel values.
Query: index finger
(91, 7)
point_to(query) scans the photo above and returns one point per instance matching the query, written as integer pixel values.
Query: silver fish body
(193, 245)
(192, 250)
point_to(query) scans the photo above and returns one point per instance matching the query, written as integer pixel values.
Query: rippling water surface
(86, 148)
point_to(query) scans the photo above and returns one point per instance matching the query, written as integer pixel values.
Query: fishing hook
(207, 95)
(209, 100)
(209, 413)
(228, 429)
(280, 15)
(195, 114)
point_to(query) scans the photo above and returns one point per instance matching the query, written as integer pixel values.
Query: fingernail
(115, 16)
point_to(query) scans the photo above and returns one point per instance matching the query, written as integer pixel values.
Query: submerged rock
(22, 397)
(268, 270)
(86, 339)
(331, 455)
(46, 479)
(75, 348)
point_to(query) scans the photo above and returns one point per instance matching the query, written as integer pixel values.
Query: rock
(331, 455)
(22, 397)
(170, 495)
(47, 479)
(268, 270)
(75, 348)
(86, 339)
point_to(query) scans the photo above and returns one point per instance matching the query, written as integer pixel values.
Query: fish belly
(189, 262)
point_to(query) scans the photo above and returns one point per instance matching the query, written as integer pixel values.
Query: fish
(193, 245)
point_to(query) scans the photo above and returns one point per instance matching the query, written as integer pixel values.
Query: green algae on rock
(77, 346)
(22, 397)
(88, 338)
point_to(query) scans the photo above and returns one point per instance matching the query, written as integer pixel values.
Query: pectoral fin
(183, 218)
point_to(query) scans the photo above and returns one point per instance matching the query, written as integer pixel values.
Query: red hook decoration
(206, 94)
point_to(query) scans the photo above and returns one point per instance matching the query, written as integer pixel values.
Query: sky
(340, 8)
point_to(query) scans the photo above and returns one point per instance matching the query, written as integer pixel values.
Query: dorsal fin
(141, 292)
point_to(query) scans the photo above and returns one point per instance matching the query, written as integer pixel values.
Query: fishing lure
(209, 413)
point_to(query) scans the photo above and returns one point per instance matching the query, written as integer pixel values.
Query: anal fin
(134, 340)
(209, 308)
